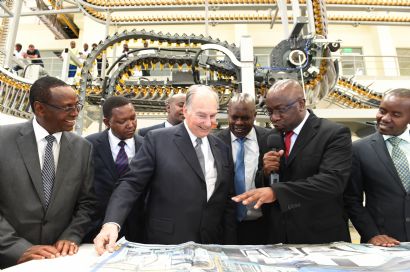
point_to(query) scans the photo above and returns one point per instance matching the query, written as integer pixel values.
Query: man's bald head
(174, 107)
(285, 104)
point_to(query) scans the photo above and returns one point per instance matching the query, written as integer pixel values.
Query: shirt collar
(114, 140)
(297, 129)
(40, 133)
(193, 137)
(404, 136)
(250, 137)
(168, 124)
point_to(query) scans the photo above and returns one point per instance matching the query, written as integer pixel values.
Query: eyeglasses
(280, 111)
(78, 107)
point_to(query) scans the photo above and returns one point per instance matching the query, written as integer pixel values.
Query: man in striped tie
(113, 149)
(381, 172)
(45, 179)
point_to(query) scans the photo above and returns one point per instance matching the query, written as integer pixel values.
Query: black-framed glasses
(78, 107)
(280, 111)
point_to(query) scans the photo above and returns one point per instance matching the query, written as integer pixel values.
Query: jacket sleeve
(353, 198)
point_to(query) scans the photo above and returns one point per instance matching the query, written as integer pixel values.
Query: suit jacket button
(407, 219)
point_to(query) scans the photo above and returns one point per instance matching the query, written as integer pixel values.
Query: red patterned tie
(288, 136)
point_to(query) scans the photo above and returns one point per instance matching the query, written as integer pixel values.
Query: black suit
(253, 231)
(387, 209)
(177, 208)
(309, 205)
(143, 131)
(105, 181)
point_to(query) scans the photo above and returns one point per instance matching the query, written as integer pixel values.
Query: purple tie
(121, 162)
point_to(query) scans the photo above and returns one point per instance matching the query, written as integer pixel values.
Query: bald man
(175, 116)
(314, 168)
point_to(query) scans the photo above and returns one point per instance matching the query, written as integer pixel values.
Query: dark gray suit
(105, 180)
(387, 209)
(255, 231)
(177, 208)
(143, 131)
(24, 221)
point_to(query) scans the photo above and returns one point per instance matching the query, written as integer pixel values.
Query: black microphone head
(275, 141)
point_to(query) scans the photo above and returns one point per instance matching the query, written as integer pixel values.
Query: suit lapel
(379, 146)
(184, 144)
(103, 150)
(216, 152)
(27, 146)
(65, 159)
(308, 131)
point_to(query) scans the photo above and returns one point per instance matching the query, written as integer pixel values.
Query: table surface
(77, 263)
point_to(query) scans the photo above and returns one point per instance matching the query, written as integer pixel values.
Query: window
(352, 61)
(262, 54)
(403, 58)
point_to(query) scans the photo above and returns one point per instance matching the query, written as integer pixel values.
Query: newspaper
(264, 258)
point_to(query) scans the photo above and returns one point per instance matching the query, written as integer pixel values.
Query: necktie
(288, 136)
(48, 171)
(121, 162)
(239, 178)
(200, 154)
(400, 162)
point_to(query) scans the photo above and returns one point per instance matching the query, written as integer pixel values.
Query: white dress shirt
(40, 134)
(115, 148)
(168, 124)
(296, 131)
(251, 167)
(210, 168)
(404, 145)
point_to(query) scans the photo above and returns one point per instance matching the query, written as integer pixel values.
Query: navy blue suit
(143, 131)
(387, 209)
(105, 181)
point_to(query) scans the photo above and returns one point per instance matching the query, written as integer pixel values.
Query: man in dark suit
(174, 107)
(314, 169)
(252, 225)
(189, 175)
(381, 172)
(46, 174)
(109, 147)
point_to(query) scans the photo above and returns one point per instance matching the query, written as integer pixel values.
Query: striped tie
(48, 171)
(121, 162)
(400, 162)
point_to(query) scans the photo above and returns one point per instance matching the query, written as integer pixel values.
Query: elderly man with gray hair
(245, 140)
(189, 174)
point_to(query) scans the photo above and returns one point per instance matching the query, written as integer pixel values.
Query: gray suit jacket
(24, 221)
(387, 209)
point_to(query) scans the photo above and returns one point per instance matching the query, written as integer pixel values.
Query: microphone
(274, 143)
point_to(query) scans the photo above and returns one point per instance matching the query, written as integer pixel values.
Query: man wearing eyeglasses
(314, 168)
(46, 175)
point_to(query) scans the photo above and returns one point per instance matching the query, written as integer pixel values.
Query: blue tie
(121, 162)
(240, 177)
